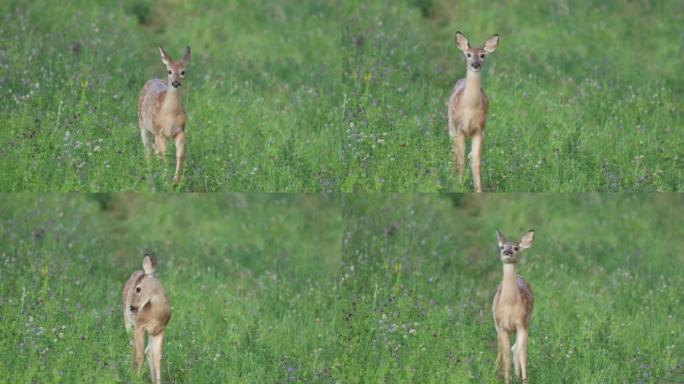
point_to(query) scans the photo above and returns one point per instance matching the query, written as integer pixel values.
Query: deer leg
(160, 143)
(157, 344)
(149, 351)
(139, 335)
(516, 355)
(521, 341)
(476, 153)
(180, 156)
(147, 140)
(459, 153)
(504, 350)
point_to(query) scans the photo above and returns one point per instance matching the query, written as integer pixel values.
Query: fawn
(160, 111)
(146, 308)
(512, 307)
(467, 107)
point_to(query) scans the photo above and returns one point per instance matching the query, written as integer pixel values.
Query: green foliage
(419, 274)
(252, 282)
(342, 95)
(584, 95)
(260, 94)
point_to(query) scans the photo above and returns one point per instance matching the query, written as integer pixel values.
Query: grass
(364, 288)
(325, 95)
(261, 112)
(419, 272)
(251, 280)
(584, 95)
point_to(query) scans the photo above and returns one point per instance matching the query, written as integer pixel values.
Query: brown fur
(146, 309)
(161, 116)
(467, 108)
(512, 306)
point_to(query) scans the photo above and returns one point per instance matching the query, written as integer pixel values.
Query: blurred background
(420, 270)
(252, 281)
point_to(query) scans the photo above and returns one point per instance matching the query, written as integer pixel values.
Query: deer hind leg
(180, 156)
(476, 153)
(147, 140)
(160, 144)
(504, 350)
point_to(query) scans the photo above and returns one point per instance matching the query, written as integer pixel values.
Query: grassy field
(419, 272)
(364, 288)
(252, 282)
(260, 94)
(326, 95)
(584, 95)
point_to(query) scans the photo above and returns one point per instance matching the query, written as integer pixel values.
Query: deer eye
(515, 249)
(169, 72)
(482, 55)
(501, 247)
(138, 289)
(469, 54)
(183, 73)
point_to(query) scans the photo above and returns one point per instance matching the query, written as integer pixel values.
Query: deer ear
(527, 239)
(186, 56)
(500, 238)
(149, 264)
(462, 41)
(166, 59)
(491, 44)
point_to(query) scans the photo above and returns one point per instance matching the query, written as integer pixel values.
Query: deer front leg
(139, 335)
(504, 350)
(521, 342)
(180, 156)
(476, 153)
(154, 354)
(459, 153)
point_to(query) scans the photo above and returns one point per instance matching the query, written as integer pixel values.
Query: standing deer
(512, 307)
(467, 108)
(160, 111)
(146, 308)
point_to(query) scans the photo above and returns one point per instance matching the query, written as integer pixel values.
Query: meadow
(419, 272)
(326, 95)
(584, 95)
(251, 278)
(260, 94)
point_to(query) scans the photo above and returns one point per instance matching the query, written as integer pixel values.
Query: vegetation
(584, 95)
(251, 281)
(419, 272)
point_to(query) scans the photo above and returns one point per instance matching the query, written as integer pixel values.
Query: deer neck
(509, 285)
(473, 88)
(173, 103)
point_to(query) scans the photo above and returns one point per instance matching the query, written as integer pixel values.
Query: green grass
(419, 272)
(326, 95)
(584, 95)
(251, 278)
(260, 94)
(365, 288)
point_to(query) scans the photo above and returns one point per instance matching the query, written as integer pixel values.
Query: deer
(512, 307)
(160, 111)
(467, 108)
(146, 309)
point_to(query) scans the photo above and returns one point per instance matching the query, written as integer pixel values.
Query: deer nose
(176, 83)
(508, 253)
(476, 64)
